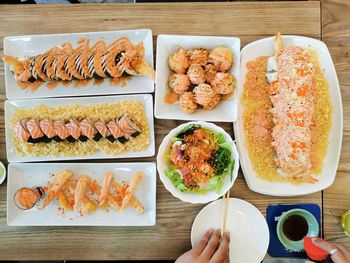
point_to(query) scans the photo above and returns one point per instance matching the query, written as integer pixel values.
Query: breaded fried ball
(206, 96)
(210, 73)
(196, 74)
(187, 102)
(223, 83)
(198, 56)
(221, 58)
(179, 83)
(178, 61)
(213, 103)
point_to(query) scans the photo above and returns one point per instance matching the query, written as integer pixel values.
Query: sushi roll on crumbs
(61, 131)
(89, 130)
(47, 128)
(116, 131)
(36, 134)
(103, 130)
(129, 128)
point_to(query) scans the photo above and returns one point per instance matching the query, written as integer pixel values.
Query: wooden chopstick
(226, 199)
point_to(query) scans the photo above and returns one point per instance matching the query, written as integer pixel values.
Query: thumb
(322, 244)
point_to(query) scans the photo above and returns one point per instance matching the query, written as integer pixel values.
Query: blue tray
(276, 249)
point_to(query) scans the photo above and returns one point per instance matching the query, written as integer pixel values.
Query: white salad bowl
(192, 197)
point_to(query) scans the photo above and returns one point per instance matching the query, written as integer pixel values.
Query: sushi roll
(89, 130)
(37, 69)
(36, 134)
(129, 128)
(21, 132)
(64, 63)
(47, 128)
(74, 131)
(102, 129)
(94, 62)
(61, 131)
(116, 132)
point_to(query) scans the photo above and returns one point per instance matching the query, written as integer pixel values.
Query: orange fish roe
(258, 124)
(28, 197)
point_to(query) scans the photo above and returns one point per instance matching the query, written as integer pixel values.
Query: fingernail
(228, 234)
(210, 231)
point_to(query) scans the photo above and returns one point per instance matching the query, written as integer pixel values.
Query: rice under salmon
(94, 113)
(258, 122)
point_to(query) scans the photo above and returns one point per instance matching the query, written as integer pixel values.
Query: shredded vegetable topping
(198, 159)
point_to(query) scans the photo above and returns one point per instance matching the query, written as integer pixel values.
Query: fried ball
(210, 73)
(179, 83)
(198, 56)
(222, 58)
(187, 102)
(196, 74)
(223, 83)
(178, 61)
(206, 96)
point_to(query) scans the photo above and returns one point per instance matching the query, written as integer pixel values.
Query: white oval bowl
(265, 47)
(196, 198)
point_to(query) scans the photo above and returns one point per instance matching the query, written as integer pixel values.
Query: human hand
(342, 254)
(211, 249)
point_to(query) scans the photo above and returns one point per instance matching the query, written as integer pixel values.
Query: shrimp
(131, 189)
(96, 189)
(59, 180)
(133, 202)
(63, 201)
(106, 183)
(80, 190)
(87, 206)
(278, 44)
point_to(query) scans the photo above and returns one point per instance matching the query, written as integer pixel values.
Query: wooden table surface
(171, 235)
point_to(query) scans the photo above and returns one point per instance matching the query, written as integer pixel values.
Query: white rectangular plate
(265, 47)
(28, 46)
(38, 174)
(12, 105)
(226, 110)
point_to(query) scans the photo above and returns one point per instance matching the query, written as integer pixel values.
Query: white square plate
(226, 110)
(12, 105)
(28, 46)
(265, 47)
(37, 174)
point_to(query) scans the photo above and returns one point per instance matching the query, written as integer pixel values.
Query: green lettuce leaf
(214, 184)
(176, 179)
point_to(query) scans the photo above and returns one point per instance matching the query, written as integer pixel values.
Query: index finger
(222, 254)
(203, 242)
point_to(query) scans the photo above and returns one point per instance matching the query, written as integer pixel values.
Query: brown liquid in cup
(295, 227)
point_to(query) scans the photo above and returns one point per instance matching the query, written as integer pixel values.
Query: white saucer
(249, 231)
